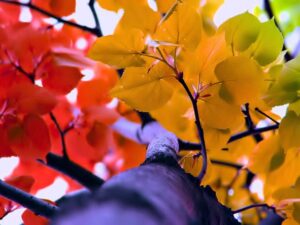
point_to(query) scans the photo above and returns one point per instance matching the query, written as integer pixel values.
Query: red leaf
(29, 98)
(97, 135)
(5, 150)
(62, 8)
(59, 79)
(72, 58)
(22, 182)
(29, 218)
(2, 211)
(42, 175)
(29, 139)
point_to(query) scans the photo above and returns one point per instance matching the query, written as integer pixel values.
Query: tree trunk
(158, 192)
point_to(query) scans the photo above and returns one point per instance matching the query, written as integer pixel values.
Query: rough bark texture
(157, 192)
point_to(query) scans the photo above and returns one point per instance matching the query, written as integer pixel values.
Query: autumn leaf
(242, 80)
(268, 151)
(241, 31)
(286, 85)
(29, 138)
(29, 98)
(62, 8)
(267, 45)
(145, 90)
(119, 50)
(289, 131)
(30, 218)
(184, 27)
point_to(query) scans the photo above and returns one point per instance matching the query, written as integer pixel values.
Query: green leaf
(241, 31)
(268, 44)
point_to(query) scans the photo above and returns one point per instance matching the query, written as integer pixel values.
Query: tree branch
(74, 171)
(183, 145)
(96, 19)
(202, 146)
(94, 31)
(27, 200)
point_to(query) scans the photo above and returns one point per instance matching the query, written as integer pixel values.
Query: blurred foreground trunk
(158, 192)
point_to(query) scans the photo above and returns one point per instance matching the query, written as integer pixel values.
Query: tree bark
(158, 192)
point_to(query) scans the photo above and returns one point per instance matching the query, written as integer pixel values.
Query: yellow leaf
(269, 152)
(164, 5)
(144, 90)
(119, 50)
(200, 64)
(242, 80)
(113, 5)
(193, 165)
(288, 171)
(217, 113)
(216, 138)
(290, 222)
(183, 26)
(171, 116)
(139, 16)
(289, 131)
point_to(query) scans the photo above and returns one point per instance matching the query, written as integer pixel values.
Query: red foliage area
(39, 66)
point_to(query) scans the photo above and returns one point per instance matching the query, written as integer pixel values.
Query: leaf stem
(94, 31)
(27, 200)
(253, 206)
(202, 146)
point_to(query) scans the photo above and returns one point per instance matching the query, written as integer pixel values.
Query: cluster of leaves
(39, 65)
(233, 72)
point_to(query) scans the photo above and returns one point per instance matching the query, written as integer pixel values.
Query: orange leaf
(94, 92)
(28, 98)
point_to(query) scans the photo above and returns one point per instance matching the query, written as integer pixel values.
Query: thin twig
(202, 146)
(253, 206)
(62, 136)
(94, 31)
(27, 200)
(266, 115)
(250, 124)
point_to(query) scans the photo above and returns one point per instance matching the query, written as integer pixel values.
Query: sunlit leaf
(145, 90)
(119, 50)
(242, 79)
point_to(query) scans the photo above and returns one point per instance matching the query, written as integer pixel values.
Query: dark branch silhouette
(27, 200)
